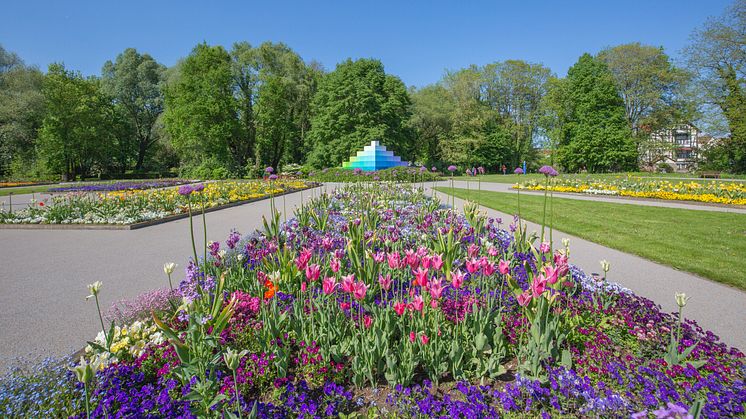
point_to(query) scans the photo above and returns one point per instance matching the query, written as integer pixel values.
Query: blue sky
(415, 40)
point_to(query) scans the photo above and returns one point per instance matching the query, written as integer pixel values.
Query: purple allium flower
(269, 169)
(358, 170)
(518, 171)
(434, 169)
(186, 190)
(548, 171)
(272, 177)
(452, 168)
(423, 169)
(198, 187)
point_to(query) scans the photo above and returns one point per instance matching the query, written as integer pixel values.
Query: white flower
(221, 253)
(94, 289)
(681, 299)
(605, 266)
(168, 268)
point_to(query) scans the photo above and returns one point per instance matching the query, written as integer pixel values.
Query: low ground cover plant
(376, 301)
(128, 206)
(120, 186)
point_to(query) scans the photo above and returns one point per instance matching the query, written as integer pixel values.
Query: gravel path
(506, 187)
(714, 306)
(45, 272)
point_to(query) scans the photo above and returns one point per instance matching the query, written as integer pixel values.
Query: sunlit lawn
(513, 178)
(708, 243)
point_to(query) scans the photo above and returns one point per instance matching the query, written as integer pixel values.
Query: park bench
(713, 175)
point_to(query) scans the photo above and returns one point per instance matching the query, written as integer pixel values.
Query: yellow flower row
(733, 194)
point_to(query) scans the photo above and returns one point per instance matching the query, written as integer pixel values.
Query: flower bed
(729, 193)
(20, 183)
(375, 301)
(120, 186)
(132, 206)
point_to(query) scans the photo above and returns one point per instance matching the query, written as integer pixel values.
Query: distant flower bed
(394, 174)
(120, 186)
(15, 184)
(730, 193)
(133, 206)
(375, 302)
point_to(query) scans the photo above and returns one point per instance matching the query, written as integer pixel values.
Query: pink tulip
(313, 272)
(457, 279)
(417, 303)
(334, 264)
(348, 283)
(303, 286)
(412, 259)
(302, 260)
(327, 243)
(492, 251)
(424, 339)
(385, 281)
(538, 286)
(344, 306)
(551, 274)
(436, 261)
(473, 265)
(426, 262)
(422, 251)
(503, 267)
(367, 321)
(393, 259)
(488, 268)
(420, 277)
(412, 337)
(434, 303)
(472, 250)
(400, 307)
(379, 257)
(545, 247)
(359, 291)
(560, 259)
(436, 288)
(329, 285)
(524, 299)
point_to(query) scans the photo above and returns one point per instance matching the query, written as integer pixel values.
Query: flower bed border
(634, 198)
(141, 224)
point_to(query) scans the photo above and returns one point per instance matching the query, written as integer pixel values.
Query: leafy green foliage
(355, 104)
(595, 134)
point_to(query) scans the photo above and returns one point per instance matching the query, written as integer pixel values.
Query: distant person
(504, 169)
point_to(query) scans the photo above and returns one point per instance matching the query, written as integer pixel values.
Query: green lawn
(513, 178)
(708, 243)
(26, 189)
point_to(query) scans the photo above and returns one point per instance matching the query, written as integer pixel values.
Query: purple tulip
(518, 171)
(452, 168)
(185, 190)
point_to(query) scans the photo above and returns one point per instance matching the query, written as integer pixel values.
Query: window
(682, 138)
(684, 154)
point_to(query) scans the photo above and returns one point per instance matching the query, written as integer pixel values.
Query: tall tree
(431, 121)
(645, 77)
(21, 114)
(356, 103)
(79, 128)
(717, 56)
(200, 114)
(596, 134)
(275, 129)
(514, 89)
(133, 81)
